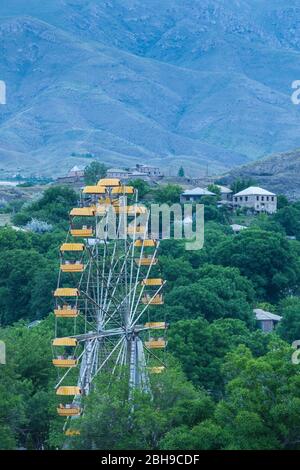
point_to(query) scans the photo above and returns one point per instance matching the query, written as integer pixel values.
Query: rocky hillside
(279, 173)
(194, 81)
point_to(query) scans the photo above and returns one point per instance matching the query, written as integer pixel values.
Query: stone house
(149, 170)
(226, 193)
(256, 199)
(195, 195)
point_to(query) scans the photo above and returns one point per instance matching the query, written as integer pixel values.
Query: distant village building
(75, 177)
(257, 199)
(76, 172)
(226, 193)
(151, 174)
(266, 320)
(118, 173)
(152, 171)
(195, 195)
(144, 172)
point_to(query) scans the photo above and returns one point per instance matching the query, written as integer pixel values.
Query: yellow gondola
(66, 292)
(72, 432)
(146, 261)
(109, 182)
(68, 410)
(156, 325)
(64, 341)
(65, 363)
(94, 190)
(152, 282)
(145, 243)
(68, 390)
(123, 190)
(83, 211)
(82, 232)
(157, 300)
(72, 247)
(66, 312)
(155, 344)
(72, 268)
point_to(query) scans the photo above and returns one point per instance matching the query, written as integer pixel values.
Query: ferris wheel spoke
(109, 356)
(124, 355)
(151, 353)
(118, 279)
(118, 308)
(119, 357)
(110, 275)
(94, 302)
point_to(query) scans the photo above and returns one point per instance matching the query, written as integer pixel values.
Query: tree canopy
(94, 172)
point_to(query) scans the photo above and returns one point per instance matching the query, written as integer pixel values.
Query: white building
(118, 173)
(76, 172)
(145, 172)
(195, 195)
(257, 199)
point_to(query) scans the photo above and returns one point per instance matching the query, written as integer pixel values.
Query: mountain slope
(279, 173)
(199, 82)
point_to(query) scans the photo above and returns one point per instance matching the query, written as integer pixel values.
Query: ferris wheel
(104, 295)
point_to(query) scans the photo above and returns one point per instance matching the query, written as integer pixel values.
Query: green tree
(26, 282)
(53, 207)
(142, 186)
(94, 172)
(260, 408)
(266, 258)
(112, 422)
(213, 188)
(213, 296)
(181, 172)
(242, 183)
(204, 436)
(262, 405)
(282, 201)
(201, 346)
(289, 327)
(168, 194)
(27, 400)
(289, 218)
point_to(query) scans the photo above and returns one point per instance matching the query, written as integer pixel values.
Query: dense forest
(228, 385)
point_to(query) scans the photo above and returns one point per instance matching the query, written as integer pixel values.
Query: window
(267, 198)
(246, 198)
(257, 198)
(241, 198)
(272, 198)
(262, 198)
